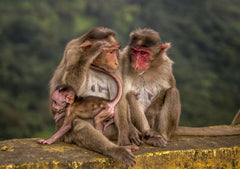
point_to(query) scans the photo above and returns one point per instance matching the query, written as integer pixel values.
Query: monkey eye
(134, 51)
(112, 51)
(142, 52)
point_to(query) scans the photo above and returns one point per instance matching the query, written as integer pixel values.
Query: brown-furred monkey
(98, 47)
(66, 103)
(151, 93)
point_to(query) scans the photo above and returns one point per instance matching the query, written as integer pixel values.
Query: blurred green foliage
(205, 37)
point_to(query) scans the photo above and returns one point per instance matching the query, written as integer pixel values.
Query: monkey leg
(163, 116)
(140, 120)
(111, 132)
(169, 114)
(141, 123)
(84, 134)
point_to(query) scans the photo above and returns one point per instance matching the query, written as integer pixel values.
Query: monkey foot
(155, 139)
(132, 147)
(135, 135)
(124, 155)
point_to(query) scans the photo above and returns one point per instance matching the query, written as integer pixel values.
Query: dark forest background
(205, 37)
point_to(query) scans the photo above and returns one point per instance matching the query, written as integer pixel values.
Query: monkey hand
(124, 155)
(43, 141)
(108, 123)
(96, 49)
(153, 138)
(109, 110)
(135, 135)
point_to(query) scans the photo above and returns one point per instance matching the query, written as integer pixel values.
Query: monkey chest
(101, 85)
(146, 92)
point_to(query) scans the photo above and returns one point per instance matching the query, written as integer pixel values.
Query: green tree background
(205, 37)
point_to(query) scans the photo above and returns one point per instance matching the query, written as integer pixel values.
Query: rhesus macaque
(98, 47)
(150, 90)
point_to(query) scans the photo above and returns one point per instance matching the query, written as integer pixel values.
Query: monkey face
(108, 60)
(59, 101)
(58, 105)
(140, 59)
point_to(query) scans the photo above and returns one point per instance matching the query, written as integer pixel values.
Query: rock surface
(181, 152)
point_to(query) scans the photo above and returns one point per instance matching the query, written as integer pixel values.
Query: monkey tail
(236, 119)
(223, 130)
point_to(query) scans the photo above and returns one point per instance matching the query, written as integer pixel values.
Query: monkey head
(108, 59)
(144, 47)
(63, 96)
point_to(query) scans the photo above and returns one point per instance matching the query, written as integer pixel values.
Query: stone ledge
(181, 152)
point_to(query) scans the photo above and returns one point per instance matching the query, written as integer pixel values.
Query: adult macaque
(150, 90)
(98, 47)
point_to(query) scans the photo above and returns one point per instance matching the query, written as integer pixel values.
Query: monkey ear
(86, 45)
(69, 99)
(165, 47)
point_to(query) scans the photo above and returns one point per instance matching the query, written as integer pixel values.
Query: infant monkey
(66, 103)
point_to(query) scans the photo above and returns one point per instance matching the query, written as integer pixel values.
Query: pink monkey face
(59, 100)
(140, 59)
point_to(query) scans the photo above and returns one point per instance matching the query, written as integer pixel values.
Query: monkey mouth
(139, 71)
(59, 110)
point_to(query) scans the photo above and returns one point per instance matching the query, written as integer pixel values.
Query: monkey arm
(63, 130)
(76, 74)
(58, 116)
(154, 108)
(137, 112)
(140, 120)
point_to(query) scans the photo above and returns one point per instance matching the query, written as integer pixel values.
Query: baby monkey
(66, 103)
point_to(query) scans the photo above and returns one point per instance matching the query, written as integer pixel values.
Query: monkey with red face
(150, 92)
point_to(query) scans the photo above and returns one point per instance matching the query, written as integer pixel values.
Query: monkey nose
(137, 67)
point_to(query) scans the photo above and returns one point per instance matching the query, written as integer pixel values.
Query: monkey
(153, 100)
(67, 104)
(97, 47)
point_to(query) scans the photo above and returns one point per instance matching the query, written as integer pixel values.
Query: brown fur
(94, 47)
(152, 96)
